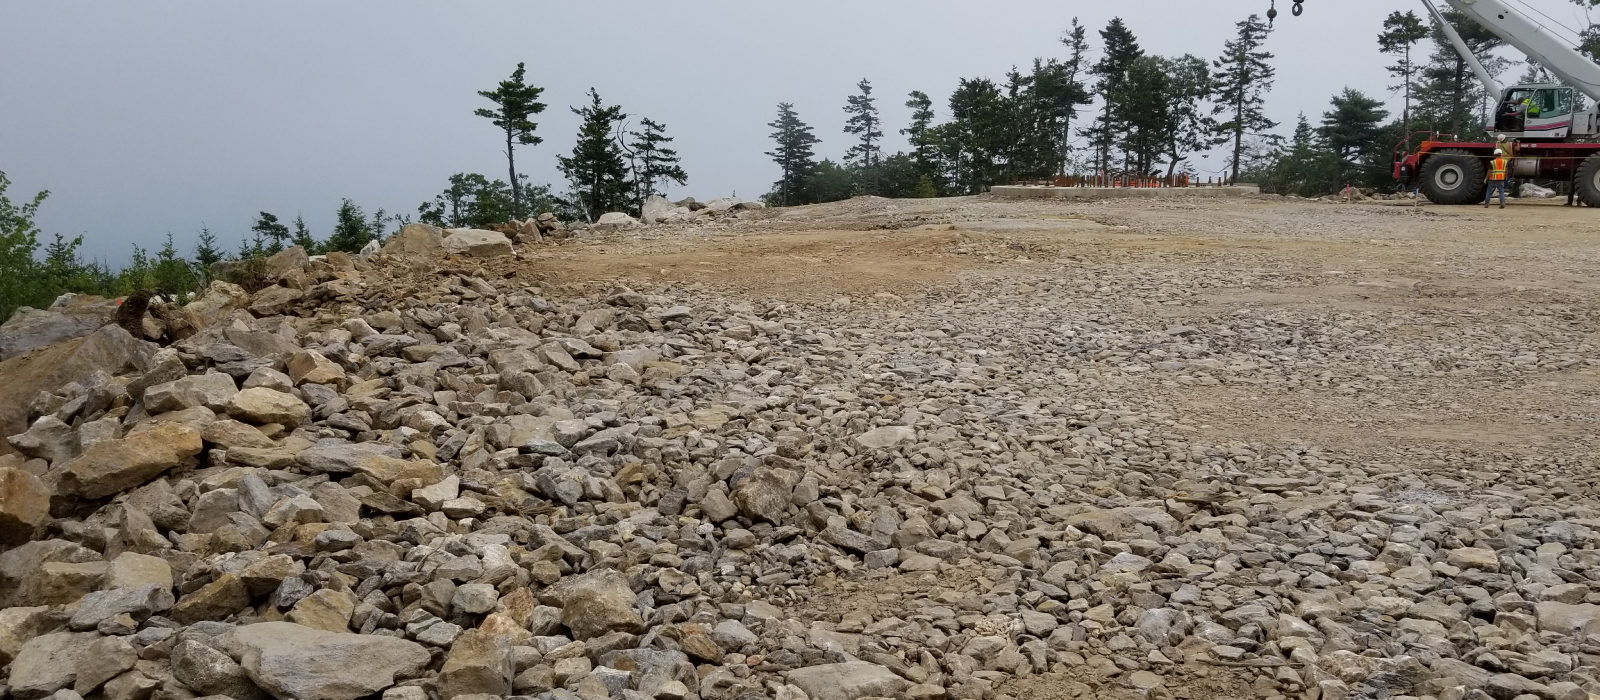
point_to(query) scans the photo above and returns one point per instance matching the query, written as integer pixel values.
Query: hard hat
(1499, 152)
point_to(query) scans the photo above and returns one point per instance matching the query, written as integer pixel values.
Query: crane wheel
(1453, 176)
(1589, 181)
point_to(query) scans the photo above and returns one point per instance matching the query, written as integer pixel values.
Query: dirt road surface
(1426, 357)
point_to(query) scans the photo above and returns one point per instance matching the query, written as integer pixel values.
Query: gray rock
(292, 661)
(211, 672)
(595, 603)
(48, 663)
(476, 243)
(847, 681)
(139, 602)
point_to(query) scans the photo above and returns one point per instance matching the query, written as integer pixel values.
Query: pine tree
(380, 224)
(924, 152)
(351, 232)
(171, 273)
(1303, 169)
(515, 101)
(979, 121)
(1243, 78)
(1350, 130)
(1077, 43)
(1186, 128)
(1448, 95)
(793, 154)
(272, 234)
(596, 169)
(1121, 50)
(654, 163)
(206, 252)
(867, 127)
(1401, 32)
(302, 237)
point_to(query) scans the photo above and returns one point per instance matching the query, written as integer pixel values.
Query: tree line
(1154, 113)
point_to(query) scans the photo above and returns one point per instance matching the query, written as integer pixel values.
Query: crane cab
(1535, 112)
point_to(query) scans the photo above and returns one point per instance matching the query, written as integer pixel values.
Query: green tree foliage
(979, 127)
(1401, 32)
(1243, 78)
(864, 124)
(271, 235)
(20, 279)
(206, 252)
(794, 156)
(351, 229)
(1350, 131)
(596, 169)
(1304, 168)
(830, 182)
(900, 177)
(1184, 126)
(1448, 95)
(924, 148)
(1077, 43)
(1120, 51)
(471, 200)
(170, 273)
(515, 101)
(653, 160)
(1590, 36)
(302, 237)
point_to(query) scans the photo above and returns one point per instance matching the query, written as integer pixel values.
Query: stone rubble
(453, 483)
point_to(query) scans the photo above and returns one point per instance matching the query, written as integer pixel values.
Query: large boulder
(595, 603)
(476, 243)
(293, 661)
(48, 663)
(220, 300)
(479, 663)
(285, 263)
(24, 506)
(616, 220)
(71, 316)
(112, 466)
(847, 681)
(416, 239)
(657, 209)
(211, 390)
(261, 405)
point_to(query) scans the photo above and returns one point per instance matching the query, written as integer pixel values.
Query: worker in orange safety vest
(1497, 178)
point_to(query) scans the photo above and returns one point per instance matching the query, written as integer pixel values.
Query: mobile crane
(1539, 125)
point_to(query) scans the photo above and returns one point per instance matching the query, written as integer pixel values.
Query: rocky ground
(939, 449)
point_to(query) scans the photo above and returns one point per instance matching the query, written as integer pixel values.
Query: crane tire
(1453, 176)
(1589, 180)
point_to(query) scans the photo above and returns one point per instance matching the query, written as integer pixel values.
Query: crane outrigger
(1546, 133)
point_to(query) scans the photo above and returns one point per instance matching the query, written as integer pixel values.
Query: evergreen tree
(867, 127)
(794, 156)
(655, 163)
(830, 182)
(924, 151)
(1243, 78)
(351, 231)
(271, 235)
(380, 224)
(1147, 115)
(1350, 132)
(171, 274)
(1077, 43)
(302, 236)
(979, 121)
(514, 102)
(1304, 169)
(1047, 105)
(1121, 50)
(206, 252)
(1448, 95)
(1185, 128)
(1401, 32)
(596, 169)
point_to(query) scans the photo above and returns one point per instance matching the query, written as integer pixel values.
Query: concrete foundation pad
(1039, 192)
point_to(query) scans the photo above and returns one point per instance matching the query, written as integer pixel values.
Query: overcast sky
(159, 115)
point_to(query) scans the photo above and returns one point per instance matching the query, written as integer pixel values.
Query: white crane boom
(1527, 36)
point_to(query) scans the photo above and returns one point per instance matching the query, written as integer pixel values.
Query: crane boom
(1527, 36)
(1489, 83)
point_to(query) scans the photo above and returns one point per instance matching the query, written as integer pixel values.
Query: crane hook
(1272, 13)
(1298, 8)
